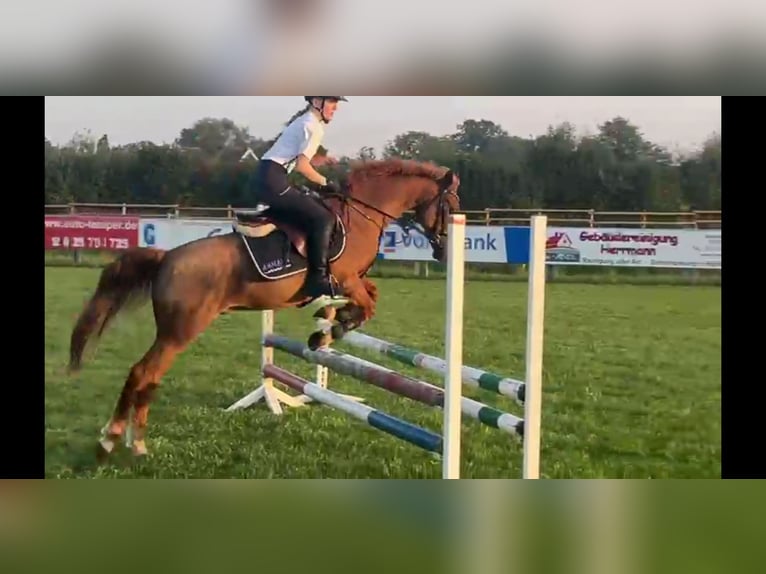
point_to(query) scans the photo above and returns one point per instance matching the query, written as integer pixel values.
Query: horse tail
(127, 280)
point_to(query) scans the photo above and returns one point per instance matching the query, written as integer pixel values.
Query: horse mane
(363, 169)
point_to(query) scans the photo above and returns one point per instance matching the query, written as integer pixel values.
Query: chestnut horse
(260, 266)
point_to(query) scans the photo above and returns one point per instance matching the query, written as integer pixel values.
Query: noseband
(437, 234)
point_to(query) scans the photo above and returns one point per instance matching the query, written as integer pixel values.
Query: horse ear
(450, 180)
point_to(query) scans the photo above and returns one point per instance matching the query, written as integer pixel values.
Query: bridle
(436, 235)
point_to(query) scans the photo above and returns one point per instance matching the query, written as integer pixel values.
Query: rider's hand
(329, 160)
(333, 188)
(323, 160)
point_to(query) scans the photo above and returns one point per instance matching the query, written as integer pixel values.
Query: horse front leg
(353, 316)
(371, 288)
(335, 323)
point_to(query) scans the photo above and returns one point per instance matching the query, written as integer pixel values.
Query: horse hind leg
(166, 349)
(144, 379)
(159, 360)
(112, 433)
(136, 394)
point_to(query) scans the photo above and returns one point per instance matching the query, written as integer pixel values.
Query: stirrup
(329, 283)
(328, 279)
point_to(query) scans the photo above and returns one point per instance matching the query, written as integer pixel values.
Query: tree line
(210, 164)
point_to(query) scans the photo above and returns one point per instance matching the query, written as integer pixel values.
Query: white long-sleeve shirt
(302, 137)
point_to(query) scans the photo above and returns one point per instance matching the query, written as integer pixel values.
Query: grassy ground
(631, 388)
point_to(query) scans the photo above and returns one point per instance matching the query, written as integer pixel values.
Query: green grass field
(631, 388)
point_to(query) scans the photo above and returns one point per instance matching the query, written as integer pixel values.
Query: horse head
(432, 212)
(395, 186)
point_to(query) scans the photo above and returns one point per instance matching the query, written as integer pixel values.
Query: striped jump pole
(377, 419)
(396, 383)
(352, 367)
(471, 376)
(267, 392)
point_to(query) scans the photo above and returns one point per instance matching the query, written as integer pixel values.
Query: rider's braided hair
(296, 115)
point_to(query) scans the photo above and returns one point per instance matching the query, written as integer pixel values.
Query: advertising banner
(670, 248)
(170, 233)
(91, 232)
(483, 245)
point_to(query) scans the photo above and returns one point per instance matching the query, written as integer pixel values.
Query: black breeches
(292, 206)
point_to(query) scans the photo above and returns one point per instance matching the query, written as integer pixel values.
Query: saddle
(279, 249)
(258, 224)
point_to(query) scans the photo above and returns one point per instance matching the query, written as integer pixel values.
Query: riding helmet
(339, 98)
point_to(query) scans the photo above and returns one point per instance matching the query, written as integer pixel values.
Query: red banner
(91, 232)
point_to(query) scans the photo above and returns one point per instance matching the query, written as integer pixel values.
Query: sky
(679, 123)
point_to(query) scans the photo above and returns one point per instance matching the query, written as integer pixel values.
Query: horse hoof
(344, 316)
(338, 332)
(326, 313)
(104, 449)
(319, 340)
(139, 449)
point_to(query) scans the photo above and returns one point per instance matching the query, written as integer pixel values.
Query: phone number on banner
(91, 232)
(67, 242)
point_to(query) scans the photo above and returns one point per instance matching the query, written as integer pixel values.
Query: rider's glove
(333, 188)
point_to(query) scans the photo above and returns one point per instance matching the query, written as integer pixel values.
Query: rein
(406, 222)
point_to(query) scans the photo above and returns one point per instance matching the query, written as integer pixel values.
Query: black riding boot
(318, 281)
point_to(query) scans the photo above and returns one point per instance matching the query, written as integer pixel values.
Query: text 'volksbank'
(486, 243)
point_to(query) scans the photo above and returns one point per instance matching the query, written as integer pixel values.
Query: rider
(295, 149)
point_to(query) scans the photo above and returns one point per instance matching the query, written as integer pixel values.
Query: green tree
(617, 169)
(216, 139)
(701, 177)
(477, 135)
